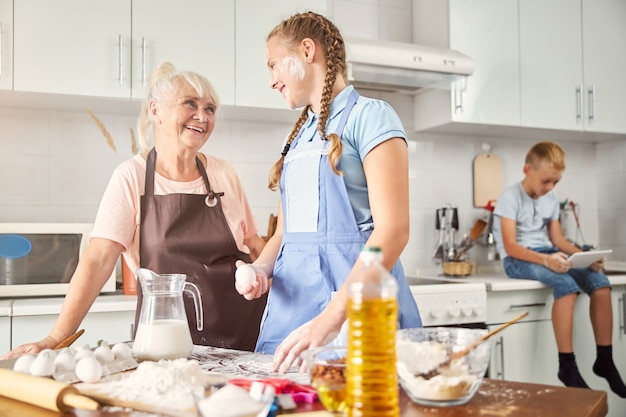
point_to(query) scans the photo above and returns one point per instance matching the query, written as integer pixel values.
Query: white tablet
(584, 259)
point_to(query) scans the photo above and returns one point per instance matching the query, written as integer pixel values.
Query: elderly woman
(172, 209)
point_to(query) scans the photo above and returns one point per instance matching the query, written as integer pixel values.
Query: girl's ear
(308, 46)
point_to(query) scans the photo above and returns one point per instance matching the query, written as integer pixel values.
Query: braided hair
(326, 35)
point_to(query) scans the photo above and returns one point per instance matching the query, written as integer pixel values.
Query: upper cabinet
(547, 64)
(485, 30)
(72, 47)
(195, 35)
(572, 72)
(254, 21)
(97, 49)
(6, 44)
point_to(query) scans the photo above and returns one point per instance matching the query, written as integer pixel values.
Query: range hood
(405, 67)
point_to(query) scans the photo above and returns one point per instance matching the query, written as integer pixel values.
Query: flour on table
(163, 383)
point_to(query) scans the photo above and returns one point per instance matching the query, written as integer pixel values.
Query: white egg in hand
(88, 369)
(245, 275)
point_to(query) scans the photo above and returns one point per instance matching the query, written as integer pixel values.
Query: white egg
(43, 365)
(64, 362)
(22, 364)
(122, 351)
(84, 352)
(104, 353)
(245, 275)
(88, 369)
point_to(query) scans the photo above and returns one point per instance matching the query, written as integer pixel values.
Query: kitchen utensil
(459, 354)
(163, 330)
(68, 342)
(487, 173)
(13, 261)
(454, 227)
(470, 240)
(440, 220)
(43, 392)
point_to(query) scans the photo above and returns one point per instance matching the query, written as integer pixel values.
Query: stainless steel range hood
(405, 67)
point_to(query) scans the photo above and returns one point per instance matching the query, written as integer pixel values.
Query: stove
(445, 301)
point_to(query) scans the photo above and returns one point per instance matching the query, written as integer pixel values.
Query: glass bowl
(326, 366)
(419, 351)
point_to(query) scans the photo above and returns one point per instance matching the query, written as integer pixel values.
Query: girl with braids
(343, 177)
(172, 209)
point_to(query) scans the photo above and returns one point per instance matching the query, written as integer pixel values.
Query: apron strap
(211, 199)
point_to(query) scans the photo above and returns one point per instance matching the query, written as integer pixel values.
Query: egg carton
(63, 365)
(108, 368)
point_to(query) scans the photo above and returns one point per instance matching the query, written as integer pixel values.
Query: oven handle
(527, 305)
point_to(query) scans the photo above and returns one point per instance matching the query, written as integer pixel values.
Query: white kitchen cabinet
(585, 346)
(90, 48)
(525, 351)
(254, 21)
(486, 31)
(195, 35)
(6, 44)
(5, 326)
(111, 318)
(572, 72)
(72, 47)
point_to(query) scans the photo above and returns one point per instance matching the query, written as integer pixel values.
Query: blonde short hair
(547, 151)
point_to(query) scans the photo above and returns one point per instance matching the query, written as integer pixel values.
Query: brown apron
(188, 234)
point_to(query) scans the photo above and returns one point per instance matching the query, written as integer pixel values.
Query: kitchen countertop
(495, 398)
(52, 305)
(495, 279)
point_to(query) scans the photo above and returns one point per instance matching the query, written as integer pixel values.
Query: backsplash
(55, 166)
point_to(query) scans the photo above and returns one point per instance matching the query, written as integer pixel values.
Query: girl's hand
(251, 280)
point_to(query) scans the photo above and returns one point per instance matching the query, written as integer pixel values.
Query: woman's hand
(317, 332)
(31, 348)
(557, 262)
(256, 288)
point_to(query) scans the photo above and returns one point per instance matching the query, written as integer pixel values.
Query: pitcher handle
(197, 301)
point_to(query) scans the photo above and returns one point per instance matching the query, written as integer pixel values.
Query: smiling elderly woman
(172, 209)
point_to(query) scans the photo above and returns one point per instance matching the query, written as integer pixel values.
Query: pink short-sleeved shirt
(118, 215)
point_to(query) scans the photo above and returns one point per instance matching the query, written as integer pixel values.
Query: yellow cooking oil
(372, 310)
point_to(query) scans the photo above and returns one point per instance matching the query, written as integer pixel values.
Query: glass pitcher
(163, 331)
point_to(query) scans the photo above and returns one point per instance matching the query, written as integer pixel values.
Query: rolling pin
(43, 392)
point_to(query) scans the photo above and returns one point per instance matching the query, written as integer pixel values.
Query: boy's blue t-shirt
(531, 217)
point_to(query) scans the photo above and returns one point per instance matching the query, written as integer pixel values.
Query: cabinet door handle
(500, 347)
(579, 102)
(1, 49)
(144, 48)
(512, 306)
(120, 49)
(592, 103)
(622, 302)
(458, 96)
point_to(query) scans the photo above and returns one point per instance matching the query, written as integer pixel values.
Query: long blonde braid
(327, 36)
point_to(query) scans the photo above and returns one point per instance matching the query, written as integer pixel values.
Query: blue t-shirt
(531, 217)
(370, 123)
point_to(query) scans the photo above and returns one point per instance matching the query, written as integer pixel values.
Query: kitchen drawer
(503, 306)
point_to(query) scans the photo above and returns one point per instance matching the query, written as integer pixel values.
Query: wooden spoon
(459, 354)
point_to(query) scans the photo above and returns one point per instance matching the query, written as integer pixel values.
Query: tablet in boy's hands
(584, 259)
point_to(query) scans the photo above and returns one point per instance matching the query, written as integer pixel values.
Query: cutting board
(487, 173)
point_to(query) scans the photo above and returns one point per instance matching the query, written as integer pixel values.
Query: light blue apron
(321, 243)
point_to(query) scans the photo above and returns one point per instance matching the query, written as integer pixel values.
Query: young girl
(343, 176)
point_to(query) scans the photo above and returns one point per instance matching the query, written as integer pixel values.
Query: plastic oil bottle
(372, 311)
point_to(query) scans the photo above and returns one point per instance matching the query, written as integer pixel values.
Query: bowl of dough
(427, 373)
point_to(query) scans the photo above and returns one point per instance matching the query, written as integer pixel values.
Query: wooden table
(495, 398)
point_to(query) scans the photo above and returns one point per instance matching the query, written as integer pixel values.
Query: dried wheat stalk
(103, 129)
